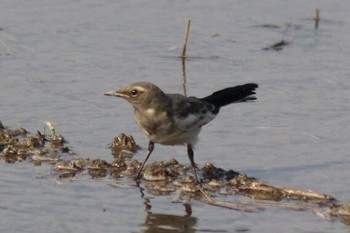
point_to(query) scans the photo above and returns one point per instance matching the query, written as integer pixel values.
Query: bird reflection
(167, 223)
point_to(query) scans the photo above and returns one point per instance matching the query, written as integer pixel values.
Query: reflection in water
(167, 223)
(184, 82)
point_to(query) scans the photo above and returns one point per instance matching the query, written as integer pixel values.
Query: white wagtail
(173, 119)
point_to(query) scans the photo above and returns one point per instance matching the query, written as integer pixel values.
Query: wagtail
(173, 119)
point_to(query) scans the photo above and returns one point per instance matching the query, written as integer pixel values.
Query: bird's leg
(190, 156)
(150, 149)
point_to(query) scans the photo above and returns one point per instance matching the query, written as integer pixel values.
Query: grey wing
(191, 112)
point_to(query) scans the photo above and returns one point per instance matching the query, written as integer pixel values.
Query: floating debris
(284, 26)
(269, 26)
(277, 46)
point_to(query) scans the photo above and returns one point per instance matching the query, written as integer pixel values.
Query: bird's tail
(230, 95)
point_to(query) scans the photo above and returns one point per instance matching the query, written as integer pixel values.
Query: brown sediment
(163, 177)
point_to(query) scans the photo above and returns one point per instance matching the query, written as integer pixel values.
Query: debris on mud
(161, 177)
(123, 145)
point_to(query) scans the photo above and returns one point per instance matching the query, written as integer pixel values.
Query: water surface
(58, 58)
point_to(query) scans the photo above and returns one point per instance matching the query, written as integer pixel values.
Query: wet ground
(57, 60)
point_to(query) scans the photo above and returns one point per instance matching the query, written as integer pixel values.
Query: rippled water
(57, 58)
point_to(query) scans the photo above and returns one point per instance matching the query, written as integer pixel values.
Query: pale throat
(150, 112)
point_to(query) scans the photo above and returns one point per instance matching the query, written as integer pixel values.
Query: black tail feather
(230, 95)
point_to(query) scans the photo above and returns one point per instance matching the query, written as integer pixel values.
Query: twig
(257, 205)
(186, 39)
(307, 194)
(236, 205)
(317, 18)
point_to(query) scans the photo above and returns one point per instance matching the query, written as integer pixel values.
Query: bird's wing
(190, 112)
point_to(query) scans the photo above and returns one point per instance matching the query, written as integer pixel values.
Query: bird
(174, 119)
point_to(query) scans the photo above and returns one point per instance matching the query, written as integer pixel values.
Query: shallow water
(58, 58)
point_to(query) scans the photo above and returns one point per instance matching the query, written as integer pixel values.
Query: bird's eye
(134, 92)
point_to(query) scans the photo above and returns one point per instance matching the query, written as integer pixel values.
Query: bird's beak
(111, 93)
(117, 93)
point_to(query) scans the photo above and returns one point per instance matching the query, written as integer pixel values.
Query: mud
(162, 177)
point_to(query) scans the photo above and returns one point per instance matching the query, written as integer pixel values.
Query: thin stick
(257, 205)
(307, 194)
(184, 80)
(234, 205)
(317, 17)
(186, 39)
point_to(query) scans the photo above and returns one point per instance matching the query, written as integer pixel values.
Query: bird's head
(140, 94)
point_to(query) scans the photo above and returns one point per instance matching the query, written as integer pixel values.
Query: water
(58, 58)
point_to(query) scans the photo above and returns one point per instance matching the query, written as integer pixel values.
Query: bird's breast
(162, 128)
(153, 122)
